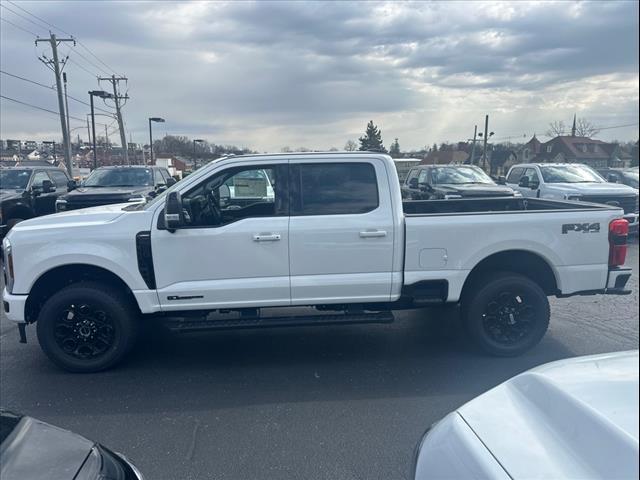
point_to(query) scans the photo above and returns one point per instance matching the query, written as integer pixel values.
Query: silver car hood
(574, 418)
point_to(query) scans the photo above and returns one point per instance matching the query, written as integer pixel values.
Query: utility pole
(115, 82)
(473, 148)
(66, 106)
(54, 64)
(484, 141)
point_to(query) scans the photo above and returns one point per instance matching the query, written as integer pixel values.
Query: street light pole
(101, 94)
(152, 119)
(195, 140)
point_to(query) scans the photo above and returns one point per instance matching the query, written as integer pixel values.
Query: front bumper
(14, 306)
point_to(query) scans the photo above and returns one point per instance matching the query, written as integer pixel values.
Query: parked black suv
(433, 182)
(120, 184)
(27, 192)
(620, 175)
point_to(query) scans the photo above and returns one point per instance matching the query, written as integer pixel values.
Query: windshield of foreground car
(570, 174)
(14, 179)
(119, 177)
(459, 176)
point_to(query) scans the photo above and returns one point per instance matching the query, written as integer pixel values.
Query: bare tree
(556, 129)
(351, 146)
(584, 128)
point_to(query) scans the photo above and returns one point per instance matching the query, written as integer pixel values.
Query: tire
(87, 327)
(505, 313)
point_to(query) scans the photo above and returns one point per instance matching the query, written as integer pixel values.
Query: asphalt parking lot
(324, 403)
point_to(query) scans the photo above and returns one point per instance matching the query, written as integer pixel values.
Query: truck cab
(573, 181)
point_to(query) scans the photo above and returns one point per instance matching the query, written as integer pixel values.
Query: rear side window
(412, 174)
(59, 178)
(515, 174)
(336, 189)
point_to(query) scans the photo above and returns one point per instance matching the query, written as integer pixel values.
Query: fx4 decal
(581, 227)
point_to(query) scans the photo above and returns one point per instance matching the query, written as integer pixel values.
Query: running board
(183, 325)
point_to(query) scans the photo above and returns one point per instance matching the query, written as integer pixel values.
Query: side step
(183, 325)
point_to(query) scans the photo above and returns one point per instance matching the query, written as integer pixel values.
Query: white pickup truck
(326, 230)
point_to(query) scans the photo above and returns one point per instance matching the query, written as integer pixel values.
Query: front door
(340, 232)
(45, 203)
(234, 248)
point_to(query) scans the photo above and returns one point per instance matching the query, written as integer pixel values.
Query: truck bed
(493, 205)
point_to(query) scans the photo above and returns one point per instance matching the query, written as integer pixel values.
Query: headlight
(61, 205)
(7, 264)
(573, 196)
(452, 197)
(517, 194)
(137, 199)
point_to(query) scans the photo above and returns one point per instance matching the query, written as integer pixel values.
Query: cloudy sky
(305, 74)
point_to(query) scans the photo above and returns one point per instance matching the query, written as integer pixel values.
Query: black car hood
(37, 450)
(115, 193)
(474, 190)
(9, 194)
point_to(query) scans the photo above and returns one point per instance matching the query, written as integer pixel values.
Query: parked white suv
(573, 181)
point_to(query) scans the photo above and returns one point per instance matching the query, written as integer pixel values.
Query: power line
(21, 16)
(618, 126)
(58, 28)
(42, 108)
(27, 80)
(83, 68)
(91, 63)
(19, 27)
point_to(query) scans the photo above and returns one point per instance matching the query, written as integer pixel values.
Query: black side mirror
(413, 183)
(612, 177)
(161, 187)
(173, 212)
(71, 185)
(524, 182)
(170, 182)
(502, 180)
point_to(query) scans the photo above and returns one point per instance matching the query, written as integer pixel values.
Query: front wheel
(87, 327)
(506, 313)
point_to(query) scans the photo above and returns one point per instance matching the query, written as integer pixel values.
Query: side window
(237, 193)
(38, 178)
(165, 174)
(157, 177)
(335, 189)
(515, 174)
(59, 178)
(413, 173)
(424, 175)
(533, 176)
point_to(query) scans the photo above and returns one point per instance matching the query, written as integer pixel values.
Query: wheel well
(57, 278)
(523, 262)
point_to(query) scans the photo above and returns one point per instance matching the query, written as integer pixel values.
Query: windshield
(631, 179)
(14, 179)
(119, 177)
(459, 175)
(570, 174)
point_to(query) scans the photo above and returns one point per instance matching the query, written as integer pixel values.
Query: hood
(575, 418)
(86, 216)
(474, 190)
(595, 188)
(8, 194)
(37, 450)
(114, 193)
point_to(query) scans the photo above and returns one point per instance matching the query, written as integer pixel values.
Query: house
(501, 160)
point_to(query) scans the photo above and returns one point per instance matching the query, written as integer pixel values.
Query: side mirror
(161, 187)
(47, 186)
(71, 185)
(173, 212)
(502, 180)
(524, 182)
(413, 183)
(612, 178)
(171, 182)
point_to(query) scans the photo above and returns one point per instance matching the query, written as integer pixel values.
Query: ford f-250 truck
(327, 230)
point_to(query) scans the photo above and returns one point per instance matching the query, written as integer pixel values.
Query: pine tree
(394, 149)
(372, 139)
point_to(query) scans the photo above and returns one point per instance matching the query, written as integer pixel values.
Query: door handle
(373, 233)
(266, 237)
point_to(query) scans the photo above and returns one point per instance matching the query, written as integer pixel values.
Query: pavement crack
(194, 436)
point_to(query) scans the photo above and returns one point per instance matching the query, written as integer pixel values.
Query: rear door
(340, 232)
(44, 203)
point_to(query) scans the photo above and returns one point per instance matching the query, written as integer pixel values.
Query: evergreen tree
(372, 139)
(394, 149)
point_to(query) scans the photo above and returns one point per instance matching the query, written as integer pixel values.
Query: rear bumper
(617, 279)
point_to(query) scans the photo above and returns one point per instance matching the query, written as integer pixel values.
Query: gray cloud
(311, 74)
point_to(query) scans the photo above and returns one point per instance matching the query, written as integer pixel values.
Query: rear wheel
(87, 327)
(506, 313)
